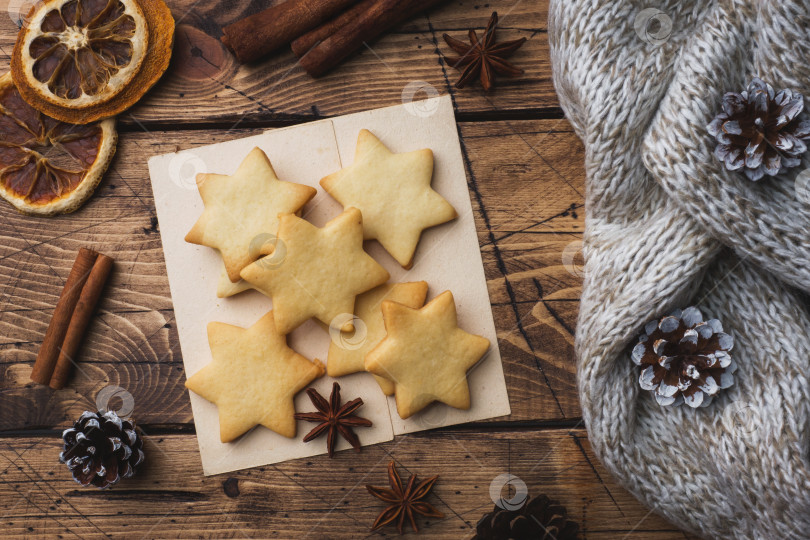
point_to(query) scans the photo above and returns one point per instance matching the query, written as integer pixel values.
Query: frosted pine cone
(759, 131)
(684, 358)
(101, 449)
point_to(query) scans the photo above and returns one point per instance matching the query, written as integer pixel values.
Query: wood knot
(231, 487)
(198, 56)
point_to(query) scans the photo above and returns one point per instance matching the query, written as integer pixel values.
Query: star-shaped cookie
(426, 355)
(253, 378)
(241, 211)
(347, 351)
(320, 274)
(393, 192)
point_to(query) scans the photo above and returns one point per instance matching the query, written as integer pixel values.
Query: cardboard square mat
(448, 257)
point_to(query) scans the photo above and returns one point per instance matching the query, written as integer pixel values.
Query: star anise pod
(333, 419)
(404, 502)
(483, 58)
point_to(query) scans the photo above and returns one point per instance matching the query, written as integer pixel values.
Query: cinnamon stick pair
(301, 45)
(322, 49)
(260, 34)
(70, 318)
(320, 39)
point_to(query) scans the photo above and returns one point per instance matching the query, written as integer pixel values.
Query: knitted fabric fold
(666, 227)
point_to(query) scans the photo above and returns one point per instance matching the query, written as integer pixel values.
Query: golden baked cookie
(393, 193)
(253, 378)
(426, 355)
(320, 274)
(347, 350)
(241, 213)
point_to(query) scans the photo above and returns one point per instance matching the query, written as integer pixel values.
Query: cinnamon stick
(301, 45)
(379, 17)
(55, 334)
(260, 34)
(82, 314)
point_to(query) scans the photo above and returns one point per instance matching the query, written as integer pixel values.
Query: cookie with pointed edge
(347, 351)
(253, 378)
(393, 192)
(241, 211)
(227, 288)
(320, 274)
(426, 355)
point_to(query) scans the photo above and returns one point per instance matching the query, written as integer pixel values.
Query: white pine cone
(760, 131)
(684, 358)
(101, 449)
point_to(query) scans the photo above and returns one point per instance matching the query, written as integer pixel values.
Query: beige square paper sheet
(448, 257)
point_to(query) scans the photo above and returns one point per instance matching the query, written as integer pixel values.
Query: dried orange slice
(77, 53)
(48, 167)
(82, 60)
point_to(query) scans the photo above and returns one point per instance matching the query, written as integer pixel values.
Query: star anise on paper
(333, 418)
(404, 501)
(483, 58)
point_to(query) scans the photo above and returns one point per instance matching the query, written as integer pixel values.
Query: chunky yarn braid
(667, 226)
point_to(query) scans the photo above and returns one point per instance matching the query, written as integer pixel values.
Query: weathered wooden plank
(528, 199)
(529, 247)
(316, 497)
(533, 184)
(538, 358)
(136, 351)
(204, 83)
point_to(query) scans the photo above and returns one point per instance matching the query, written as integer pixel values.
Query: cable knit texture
(666, 227)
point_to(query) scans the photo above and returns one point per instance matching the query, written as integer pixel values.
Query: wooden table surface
(526, 180)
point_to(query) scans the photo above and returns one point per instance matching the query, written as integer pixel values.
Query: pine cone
(538, 519)
(760, 131)
(684, 358)
(101, 449)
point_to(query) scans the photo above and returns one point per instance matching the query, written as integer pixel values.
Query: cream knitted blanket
(668, 227)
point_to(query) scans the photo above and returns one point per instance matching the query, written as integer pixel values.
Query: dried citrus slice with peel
(82, 60)
(46, 166)
(76, 53)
